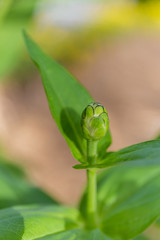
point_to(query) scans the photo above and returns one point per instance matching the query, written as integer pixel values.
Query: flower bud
(94, 121)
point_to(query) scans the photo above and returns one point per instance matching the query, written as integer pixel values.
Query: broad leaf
(148, 152)
(67, 99)
(14, 189)
(128, 199)
(78, 234)
(34, 222)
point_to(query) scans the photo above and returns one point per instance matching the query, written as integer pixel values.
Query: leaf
(148, 152)
(128, 199)
(78, 234)
(34, 222)
(67, 99)
(14, 189)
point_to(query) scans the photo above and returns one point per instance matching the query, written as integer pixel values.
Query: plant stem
(92, 185)
(91, 151)
(91, 198)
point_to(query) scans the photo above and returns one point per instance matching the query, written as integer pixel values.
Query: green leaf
(14, 189)
(67, 99)
(128, 199)
(148, 152)
(78, 234)
(34, 222)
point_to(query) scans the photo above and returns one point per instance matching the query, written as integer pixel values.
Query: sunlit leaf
(78, 234)
(146, 152)
(67, 99)
(34, 222)
(129, 200)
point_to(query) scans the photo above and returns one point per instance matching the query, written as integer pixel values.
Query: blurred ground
(123, 75)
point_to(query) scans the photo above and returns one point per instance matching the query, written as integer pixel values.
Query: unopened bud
(94, 121)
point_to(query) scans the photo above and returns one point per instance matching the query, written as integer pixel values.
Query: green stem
(92, 186)
(91, 151)
(91, 198)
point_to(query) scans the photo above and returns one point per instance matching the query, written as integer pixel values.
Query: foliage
(128, 195)
(15, 189)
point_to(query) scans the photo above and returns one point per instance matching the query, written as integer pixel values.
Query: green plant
(120, 203)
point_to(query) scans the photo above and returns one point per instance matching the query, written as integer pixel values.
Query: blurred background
(113, 49)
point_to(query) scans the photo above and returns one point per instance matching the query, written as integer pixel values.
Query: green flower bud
(94, 121)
